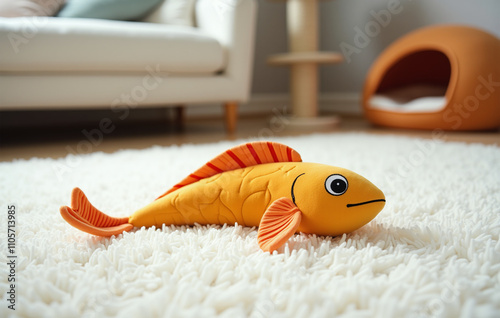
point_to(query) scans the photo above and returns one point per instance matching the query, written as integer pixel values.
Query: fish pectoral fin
(278, 224)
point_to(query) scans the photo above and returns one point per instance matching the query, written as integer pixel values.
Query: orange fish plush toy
(262, 184)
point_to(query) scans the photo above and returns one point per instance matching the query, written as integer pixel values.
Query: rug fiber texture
(433, 251)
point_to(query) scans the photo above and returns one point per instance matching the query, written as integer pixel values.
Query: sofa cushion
(64, 44)
(29, 8)
(178, 12)
(108, 9)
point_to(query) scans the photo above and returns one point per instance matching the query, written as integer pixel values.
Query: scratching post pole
(303, 59)
(303, 37)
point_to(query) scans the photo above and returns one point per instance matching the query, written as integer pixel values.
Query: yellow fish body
(256, 184)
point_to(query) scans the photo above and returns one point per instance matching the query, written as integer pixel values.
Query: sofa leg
(179, 114)
(231, 113)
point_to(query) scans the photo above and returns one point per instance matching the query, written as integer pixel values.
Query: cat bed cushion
(411, 98)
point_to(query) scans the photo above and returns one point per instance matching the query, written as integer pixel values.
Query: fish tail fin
(85, 217)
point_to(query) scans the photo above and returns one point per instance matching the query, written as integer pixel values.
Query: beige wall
(342, 20)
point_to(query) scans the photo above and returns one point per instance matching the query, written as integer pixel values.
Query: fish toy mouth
(350, 205)
(293, 185)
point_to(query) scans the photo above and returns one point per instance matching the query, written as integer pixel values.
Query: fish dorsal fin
(245, 155)
(278, 224)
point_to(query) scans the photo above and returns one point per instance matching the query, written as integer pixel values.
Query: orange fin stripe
(227, 163)
(235, 158)
(254, 154)
(289, 153)
(209, 164)
(281, 153)
(273, 153)
(245, 155)
(262, 153)
(265, 150)
(195, 177)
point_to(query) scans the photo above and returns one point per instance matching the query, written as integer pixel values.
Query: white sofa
(49, 63)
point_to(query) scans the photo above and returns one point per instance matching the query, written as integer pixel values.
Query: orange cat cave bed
(445, 77)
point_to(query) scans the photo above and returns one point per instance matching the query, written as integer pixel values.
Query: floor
(45, 142)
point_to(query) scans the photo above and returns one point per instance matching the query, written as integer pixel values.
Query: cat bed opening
(416, 83)
(430, 78)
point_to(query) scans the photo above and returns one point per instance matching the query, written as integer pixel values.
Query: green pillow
(108, 9)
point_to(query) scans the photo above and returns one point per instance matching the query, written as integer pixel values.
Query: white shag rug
(433, 251)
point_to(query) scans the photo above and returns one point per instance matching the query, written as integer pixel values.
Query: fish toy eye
(336, 184)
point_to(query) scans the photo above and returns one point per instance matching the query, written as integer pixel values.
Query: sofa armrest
(232, 23)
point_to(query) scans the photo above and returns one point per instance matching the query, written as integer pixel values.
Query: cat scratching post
(303, 59)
